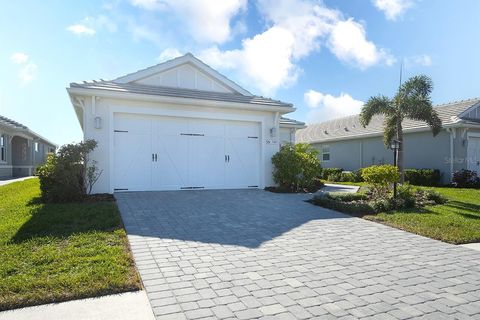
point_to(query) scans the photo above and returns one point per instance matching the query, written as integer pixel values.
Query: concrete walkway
(252, 254)
(124, 306)
(330, 187)
(11, 180)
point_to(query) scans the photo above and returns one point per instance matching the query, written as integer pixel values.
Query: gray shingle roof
(179, 92)
(349, 127)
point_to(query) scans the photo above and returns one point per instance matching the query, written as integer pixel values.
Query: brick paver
(250, 254)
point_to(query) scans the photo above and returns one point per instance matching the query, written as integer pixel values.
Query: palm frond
(378, 105)
(389, 129)
(421, 109)
(417, 86)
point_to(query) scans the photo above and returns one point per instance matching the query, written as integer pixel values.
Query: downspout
(452, 137)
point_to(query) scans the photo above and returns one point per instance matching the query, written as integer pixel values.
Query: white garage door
(168, 153)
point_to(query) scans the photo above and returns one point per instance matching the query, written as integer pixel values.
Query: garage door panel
(243, 167)
(170, 170)
(132, 162)
(207, 162)
(189, 153)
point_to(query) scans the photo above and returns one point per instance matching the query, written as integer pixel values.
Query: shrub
(347, 196)
(423, 177)
(69, 174)
(357, 208)
(466, 179)
(326, 172)
(380, 177)
(405, 196)
(296, 167)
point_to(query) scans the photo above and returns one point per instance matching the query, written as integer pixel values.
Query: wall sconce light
(98, 123)
(273, 132)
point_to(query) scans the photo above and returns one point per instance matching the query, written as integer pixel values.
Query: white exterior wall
(287, 135)
(106, 107)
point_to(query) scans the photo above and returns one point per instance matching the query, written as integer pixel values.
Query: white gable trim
(475, 107)
(187, 58)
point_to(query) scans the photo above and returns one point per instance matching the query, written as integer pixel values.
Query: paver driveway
(253, 254)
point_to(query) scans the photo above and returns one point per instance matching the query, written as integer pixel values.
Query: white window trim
(329, 153)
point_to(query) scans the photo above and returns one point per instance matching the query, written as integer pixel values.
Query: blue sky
(326, 57)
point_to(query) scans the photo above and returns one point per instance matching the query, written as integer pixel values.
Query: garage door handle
(155, 157)
(228, 158)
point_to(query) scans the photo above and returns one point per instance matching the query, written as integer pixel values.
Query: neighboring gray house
(21, 149)
(344, 143)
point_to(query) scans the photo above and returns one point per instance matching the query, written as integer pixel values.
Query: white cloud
(208, 21)
(393, 8)
(423, 60)
(19, 58)
(169, 54)
(28, 70)
(324, 107)
(81, 29)
(349, 43)
(265, 59)
(295, 29)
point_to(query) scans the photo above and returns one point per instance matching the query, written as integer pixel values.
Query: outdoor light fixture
(395, 145)
(98, 123)
(273, 132)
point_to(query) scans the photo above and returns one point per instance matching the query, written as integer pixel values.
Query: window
(3, 151)
(36, 146)
(325, 153)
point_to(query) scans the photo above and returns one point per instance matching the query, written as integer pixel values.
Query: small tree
(380, 178)
(412, 101)
(296, 167)
(69, 174)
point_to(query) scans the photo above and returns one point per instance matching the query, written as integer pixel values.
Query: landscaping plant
(412, 101)
(296, 168)
(380, 179)
(69, 174)
(466, 179)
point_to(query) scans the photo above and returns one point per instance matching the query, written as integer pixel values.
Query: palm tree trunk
(400, 160)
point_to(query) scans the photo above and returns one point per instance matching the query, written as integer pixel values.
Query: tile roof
(17, 126)
(284, 120)
(11, 123)
(348, 127)
(179, 92)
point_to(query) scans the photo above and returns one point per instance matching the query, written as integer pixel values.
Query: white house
(180, 125)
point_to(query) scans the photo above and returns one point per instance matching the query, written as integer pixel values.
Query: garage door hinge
(192, 134)
(252, 187)
(120, 130)
(120, 189)
(252, 137)
(191, 188)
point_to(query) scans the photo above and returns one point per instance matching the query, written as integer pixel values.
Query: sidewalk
(123, 306)
(11, 180)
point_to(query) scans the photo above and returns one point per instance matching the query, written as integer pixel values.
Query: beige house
(21, 149)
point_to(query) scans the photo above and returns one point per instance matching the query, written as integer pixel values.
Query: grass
(58, 252)
(457, 221)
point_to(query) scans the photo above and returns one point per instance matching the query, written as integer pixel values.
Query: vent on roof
(346, 129)
(325, 131)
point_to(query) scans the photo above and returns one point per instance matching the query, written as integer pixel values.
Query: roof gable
(185, 72)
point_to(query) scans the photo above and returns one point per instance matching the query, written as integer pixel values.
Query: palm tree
(412, 101)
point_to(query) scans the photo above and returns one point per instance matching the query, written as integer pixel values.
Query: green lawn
(457, 221)
(57, 252)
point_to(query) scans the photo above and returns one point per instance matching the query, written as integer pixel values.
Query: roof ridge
(456, 102)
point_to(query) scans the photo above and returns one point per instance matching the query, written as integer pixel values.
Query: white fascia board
(291, 125)
(175, 100)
